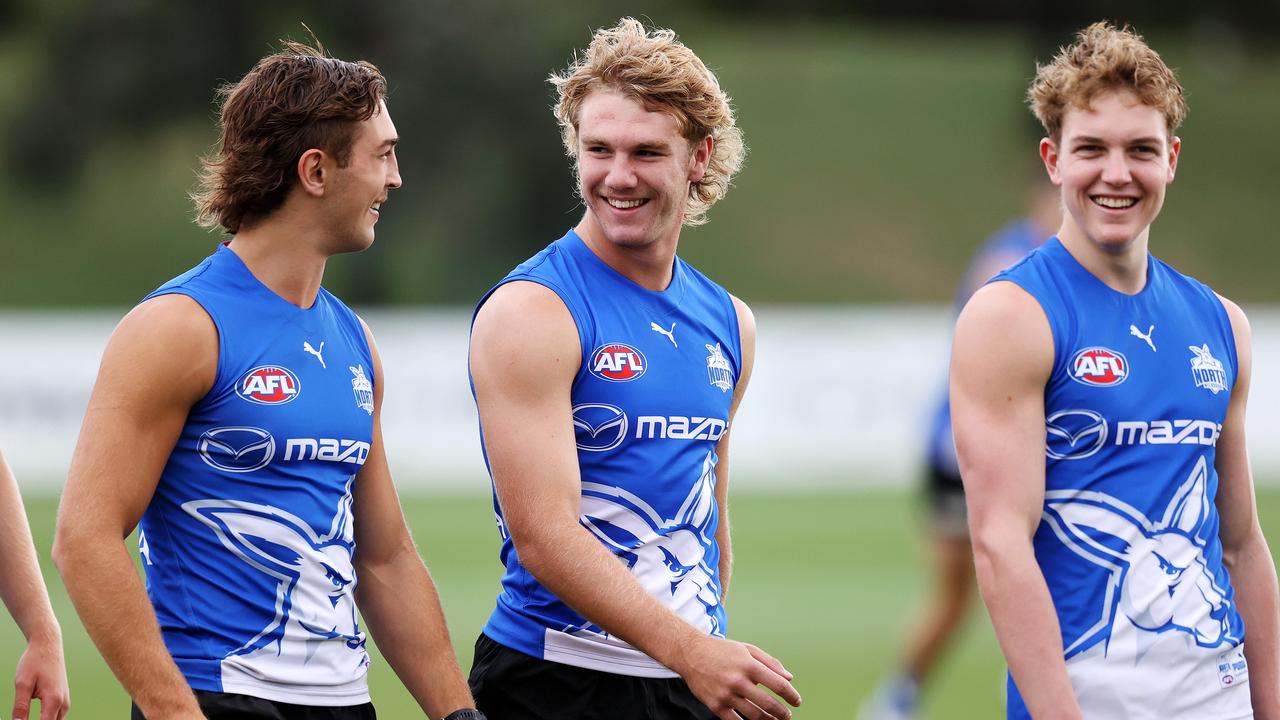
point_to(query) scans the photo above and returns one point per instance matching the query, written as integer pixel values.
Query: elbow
(71, 544)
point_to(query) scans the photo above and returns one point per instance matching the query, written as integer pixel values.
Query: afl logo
(1099, 367)
(268, 385)
(236, 449)
(599, 427)
(617, 362)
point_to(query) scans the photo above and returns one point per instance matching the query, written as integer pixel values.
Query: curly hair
(664, 75)
(290, 102)
(1104, 58)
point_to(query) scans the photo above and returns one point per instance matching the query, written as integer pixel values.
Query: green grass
(825, 581)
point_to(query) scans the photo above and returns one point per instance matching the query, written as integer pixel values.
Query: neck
(649, 265)
(1121, 268)
(282, 255)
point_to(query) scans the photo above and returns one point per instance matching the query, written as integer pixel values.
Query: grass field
(825, 581)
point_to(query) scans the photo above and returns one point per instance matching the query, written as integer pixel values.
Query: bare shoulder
(1239, 321)
(746, 318)
(524, 329)
(1003, 329)
(170, 338)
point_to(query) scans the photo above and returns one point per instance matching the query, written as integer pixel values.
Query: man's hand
(41, 675)
(726, 675)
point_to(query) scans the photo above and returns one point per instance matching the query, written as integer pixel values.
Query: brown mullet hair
(1104, 58)
(290, 102)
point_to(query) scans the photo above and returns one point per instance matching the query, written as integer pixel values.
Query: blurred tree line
(106, 105)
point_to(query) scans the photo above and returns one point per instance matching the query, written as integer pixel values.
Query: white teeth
(623, 204)
(1114, 202)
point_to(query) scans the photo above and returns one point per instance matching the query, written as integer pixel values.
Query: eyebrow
(389, 142)
(1090, 140)
(639, 146)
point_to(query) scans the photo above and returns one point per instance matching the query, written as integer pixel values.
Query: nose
(1116, 169)
(393, 172)
(621, 173)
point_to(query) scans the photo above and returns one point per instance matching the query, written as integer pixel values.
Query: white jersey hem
(601, 653)
(355, 692)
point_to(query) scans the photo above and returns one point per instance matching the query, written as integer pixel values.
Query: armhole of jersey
(735, 329)
(218, 379)
(580, 321)
(1229, 329)
(1059, 361)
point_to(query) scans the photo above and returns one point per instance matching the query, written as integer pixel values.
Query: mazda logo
(236, 449)
(1074, 434)
(599, 427)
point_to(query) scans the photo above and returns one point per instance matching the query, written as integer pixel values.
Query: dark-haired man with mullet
(235, 423)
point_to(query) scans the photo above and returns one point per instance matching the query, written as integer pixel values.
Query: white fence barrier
(841, 396)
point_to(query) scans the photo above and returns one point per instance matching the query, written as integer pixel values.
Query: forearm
(112, 603)
(1026, 626)
(1254, 575)
(402, 610)
(575, 567)
(21, 585)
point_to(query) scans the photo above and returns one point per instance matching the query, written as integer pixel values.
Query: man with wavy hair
(1098, 405)
(236, 423)
(606, 373)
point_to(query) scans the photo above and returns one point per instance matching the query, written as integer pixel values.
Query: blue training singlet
(1013, 241)
(248, 541)
(650, 401)
(1128, 542)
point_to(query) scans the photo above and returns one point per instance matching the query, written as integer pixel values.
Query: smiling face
(1112, 163)
(355, 193)
(634, 170)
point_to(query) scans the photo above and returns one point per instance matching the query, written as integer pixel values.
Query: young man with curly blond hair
(606, 372)
(236, 423)
(1098, 404)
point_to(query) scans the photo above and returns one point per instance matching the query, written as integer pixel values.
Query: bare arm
(160, 361)
(42, 672)
(1244, 548)
(1001, 360)
(524, 356)
(394, 591)
(747, 331)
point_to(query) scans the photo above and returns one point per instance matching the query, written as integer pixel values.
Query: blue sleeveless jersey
(248, 541)
(1128, 542)
(650, 401)
(1014, 240)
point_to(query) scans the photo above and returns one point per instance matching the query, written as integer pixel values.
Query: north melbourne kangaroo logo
(1160, 581)
(667, 555)
(315, 585)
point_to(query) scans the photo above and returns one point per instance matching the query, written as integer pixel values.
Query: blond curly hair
(1104, 58)
(664, 75)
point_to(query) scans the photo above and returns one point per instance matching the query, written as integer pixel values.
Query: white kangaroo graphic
(667, 556)
(1160, 582)
(315, 591)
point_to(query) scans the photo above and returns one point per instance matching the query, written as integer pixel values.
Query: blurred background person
(950, 556)
(41, 672)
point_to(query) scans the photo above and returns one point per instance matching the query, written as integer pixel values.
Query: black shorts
(945, 493)
(229, 706)
(509, 685)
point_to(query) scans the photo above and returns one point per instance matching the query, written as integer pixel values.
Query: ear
(701, 158)
(1049, 154)
(1175, 149)
(1090, 526)
(312, 172)
(1189, 508)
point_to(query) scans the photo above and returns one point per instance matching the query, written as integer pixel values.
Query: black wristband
(465, 714)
